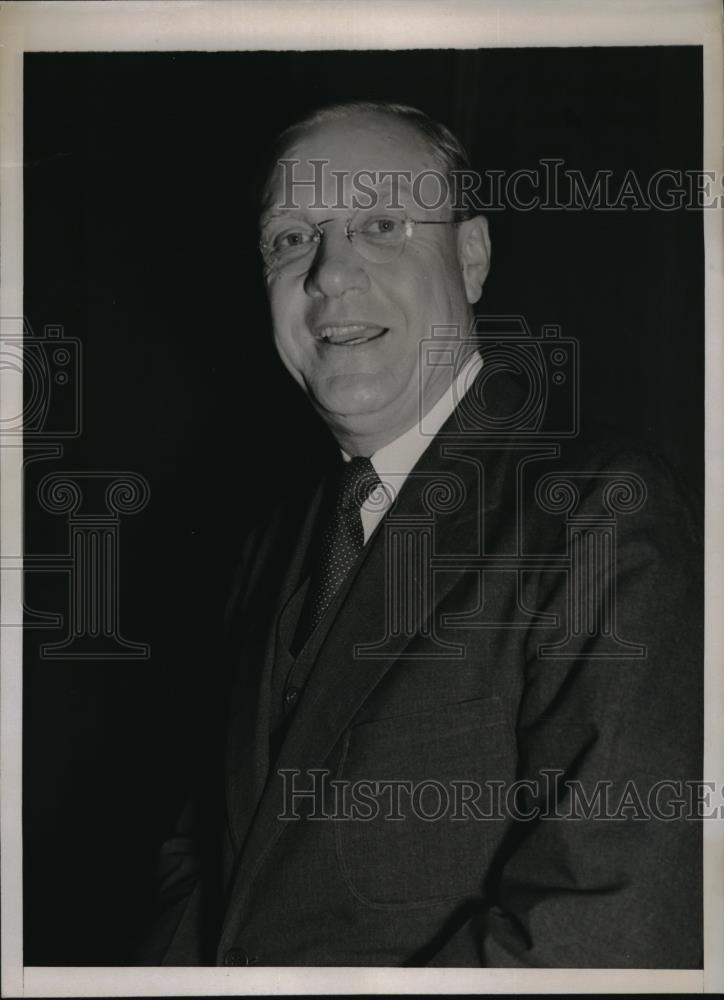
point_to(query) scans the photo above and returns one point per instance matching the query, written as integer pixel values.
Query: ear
(474, 255)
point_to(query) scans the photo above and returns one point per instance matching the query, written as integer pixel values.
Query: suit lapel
(344, 675)
(247, 754)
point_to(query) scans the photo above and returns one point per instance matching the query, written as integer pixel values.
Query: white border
(197, 25)
(253, 982)
(11, 518)
(364, 24)
(714, 526)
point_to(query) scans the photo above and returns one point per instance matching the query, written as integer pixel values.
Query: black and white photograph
(361, 521)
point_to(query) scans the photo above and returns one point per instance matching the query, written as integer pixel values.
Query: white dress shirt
(395, 461)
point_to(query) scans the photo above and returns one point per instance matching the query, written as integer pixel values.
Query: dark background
(140, 241)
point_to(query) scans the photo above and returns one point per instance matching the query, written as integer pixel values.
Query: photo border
(114, 25)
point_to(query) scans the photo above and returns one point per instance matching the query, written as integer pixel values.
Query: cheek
(424, 296)
(285, 321)
(404, 291)
(443, 278)
(431, 277)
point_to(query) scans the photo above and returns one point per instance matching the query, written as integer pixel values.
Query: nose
(337, 267)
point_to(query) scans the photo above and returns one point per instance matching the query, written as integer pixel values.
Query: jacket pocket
(418, 803)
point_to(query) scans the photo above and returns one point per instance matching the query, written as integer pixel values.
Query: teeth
(351, 334)
(333, 332)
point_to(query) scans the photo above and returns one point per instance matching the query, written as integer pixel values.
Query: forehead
(350, 146)
(366, 141)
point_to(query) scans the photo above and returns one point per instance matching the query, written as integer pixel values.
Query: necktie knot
(357, 481)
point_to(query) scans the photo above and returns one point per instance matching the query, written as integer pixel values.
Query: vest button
(236, 956)
(291, 696)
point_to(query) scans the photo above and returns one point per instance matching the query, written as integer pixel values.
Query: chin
(355, 395)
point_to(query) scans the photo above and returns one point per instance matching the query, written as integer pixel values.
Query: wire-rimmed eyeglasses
(289, 246)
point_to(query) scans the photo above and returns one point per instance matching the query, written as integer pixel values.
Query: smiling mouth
(349, 334)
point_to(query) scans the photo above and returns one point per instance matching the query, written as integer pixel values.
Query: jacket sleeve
(177, 882)
(607, 872)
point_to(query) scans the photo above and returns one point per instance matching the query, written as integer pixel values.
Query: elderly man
(465, 671)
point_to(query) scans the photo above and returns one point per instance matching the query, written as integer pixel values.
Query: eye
(383, 225)
(290, 239)
(381, 231)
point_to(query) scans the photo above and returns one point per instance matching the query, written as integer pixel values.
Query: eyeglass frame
(350, 233)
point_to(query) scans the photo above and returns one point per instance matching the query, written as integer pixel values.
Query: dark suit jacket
(499, 626)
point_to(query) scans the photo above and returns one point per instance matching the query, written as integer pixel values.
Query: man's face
(348, 329)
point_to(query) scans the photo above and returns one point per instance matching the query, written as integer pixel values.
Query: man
(466, 670)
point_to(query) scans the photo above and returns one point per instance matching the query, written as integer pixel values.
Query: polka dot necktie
(341, 542)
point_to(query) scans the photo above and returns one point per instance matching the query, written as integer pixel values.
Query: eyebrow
(269, 216)
(290, 213)
(401, 187)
